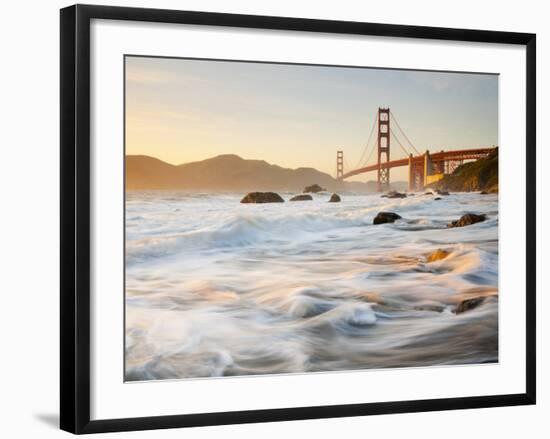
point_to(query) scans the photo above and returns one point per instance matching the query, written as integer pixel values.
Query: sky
(182, 110)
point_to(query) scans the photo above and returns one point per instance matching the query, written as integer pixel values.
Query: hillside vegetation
(481, 175)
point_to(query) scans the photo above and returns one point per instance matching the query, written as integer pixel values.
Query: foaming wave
(242, 230)
(231, 289)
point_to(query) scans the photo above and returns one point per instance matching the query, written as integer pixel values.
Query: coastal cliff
(481, 175)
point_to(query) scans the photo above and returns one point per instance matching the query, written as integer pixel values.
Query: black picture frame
(75, 217)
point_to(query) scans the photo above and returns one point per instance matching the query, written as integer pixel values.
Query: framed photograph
(274, 218)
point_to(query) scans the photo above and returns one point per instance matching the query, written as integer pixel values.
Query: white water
(215, 287)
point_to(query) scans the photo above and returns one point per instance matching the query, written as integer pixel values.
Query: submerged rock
(437, 255)
(394, 194)
(302, 197)
(334, 198)
(430, 307)
(428, 193)
(468, 304)
(437, 198)
(314, 188)
(467, 220)
(440, 192)
(386, 217)
(262, 197)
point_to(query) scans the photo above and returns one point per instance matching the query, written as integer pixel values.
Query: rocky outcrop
(262, 197)
(469, 304)
(437, 255)
(472, 176)
(394, 194)
(314, 188)
(334, 198)
(467, 220)
(386, 217)
(301, 197)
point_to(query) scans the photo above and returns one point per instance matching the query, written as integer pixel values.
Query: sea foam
(216, 288)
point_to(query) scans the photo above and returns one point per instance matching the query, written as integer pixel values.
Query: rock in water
(440, 192)
(262, 197)
(430, 307)
(314, 188)
(483, 193)
(302, 197)
(385, 217)
(437, 255)
(334, 198)
(468, 304)
(437, 198)
(394, 194)
(467, 220)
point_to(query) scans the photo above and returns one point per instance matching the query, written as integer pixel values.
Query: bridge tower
(339, 164)
(383, 180)
(417, 167)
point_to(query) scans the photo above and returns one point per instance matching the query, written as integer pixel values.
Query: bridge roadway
(442, 156)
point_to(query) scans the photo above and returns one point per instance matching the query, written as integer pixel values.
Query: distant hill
(228, 173)
(481, 175)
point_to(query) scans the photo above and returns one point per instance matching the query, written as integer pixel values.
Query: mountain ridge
(227, 173)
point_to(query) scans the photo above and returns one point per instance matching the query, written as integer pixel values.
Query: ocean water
(218, 288)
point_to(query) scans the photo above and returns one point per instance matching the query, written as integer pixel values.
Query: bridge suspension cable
(370, 155)
(404, 135)
(399, 143)
(346, 164)
(365, 149)
(368, 151)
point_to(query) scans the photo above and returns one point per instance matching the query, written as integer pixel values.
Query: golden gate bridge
(424, 168)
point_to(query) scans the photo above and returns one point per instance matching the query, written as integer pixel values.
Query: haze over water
(215, 287)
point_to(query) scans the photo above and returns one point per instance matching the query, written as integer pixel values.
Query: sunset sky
(294, 116)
